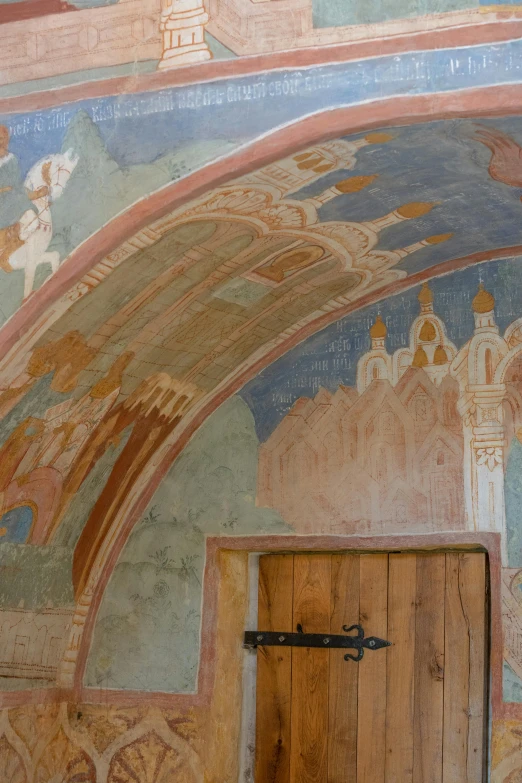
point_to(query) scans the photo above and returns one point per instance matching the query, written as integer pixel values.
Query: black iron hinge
(359, 642)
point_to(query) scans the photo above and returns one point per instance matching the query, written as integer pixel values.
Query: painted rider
(14, 200)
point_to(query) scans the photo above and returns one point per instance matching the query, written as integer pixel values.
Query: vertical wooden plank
(473, 591)
(309, 733)
(402, 583)
(342, 739)
(456, 677)
(371, 728)
(274, 670)
(429, 669)
(464, 673)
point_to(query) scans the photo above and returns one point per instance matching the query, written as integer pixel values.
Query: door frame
(490, 543)
(223, 576)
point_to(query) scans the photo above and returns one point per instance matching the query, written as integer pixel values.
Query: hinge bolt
(371, 643)
(259, 638)
(281, 638)
(326, 641)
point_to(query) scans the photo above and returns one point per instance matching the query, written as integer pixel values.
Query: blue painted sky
(437, 162)
(330, 357)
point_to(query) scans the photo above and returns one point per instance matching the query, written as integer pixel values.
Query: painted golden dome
(378, 138)
(483, 301)
(425, 296)
(355, 184)
(427, 332)
(420, 359)
(436, 239)
(378, 331)
(440, 357)
(415, 209)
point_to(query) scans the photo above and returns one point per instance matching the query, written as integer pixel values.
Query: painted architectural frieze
(417, 423)
(381, 456)
(57, 39)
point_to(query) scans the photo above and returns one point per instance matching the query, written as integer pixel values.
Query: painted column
(469, 466)
(485, 350)
(487, 460)
(183, 29)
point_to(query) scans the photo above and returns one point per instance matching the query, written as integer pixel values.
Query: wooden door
(414, 712)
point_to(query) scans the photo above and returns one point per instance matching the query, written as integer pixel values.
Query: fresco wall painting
(403, 436)
(174, 381)
(151, 741)
(248, 285)
(95, 144)
(55, 39)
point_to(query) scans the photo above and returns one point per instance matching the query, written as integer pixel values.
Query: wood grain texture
(344, 675)
(309, 734)
(274, 670)
(474, 598)
(371, 732)
(402, 583)
(456, 677)
(412, 713)
(464, 685)
(429, 669)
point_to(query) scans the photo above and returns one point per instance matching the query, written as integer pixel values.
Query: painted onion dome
(415, 209)
(425, 296)
(483, 301)
(420, 359)
(440, 356)
(436, 239)
(378, 331)
(355, 184)
(427, 332)
(378, 137)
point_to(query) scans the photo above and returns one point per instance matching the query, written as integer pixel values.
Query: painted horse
(24, 244)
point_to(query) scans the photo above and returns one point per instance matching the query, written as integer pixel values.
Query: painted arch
(100, 347)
